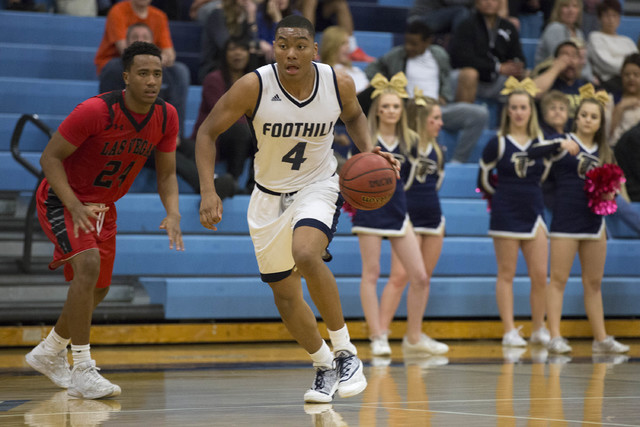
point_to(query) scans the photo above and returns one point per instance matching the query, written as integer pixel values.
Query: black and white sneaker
(350, 373)
(324, 386)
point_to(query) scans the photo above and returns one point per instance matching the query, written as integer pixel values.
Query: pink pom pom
(602, 181)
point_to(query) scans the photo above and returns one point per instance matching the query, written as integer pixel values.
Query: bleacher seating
(46, 67)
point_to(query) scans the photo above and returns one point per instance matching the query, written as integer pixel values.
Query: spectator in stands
(576, 229)
(626, 112)
(77, 7)
(628, 155)
(442, 16)
(564, 25)
(324, 13)
(389, 131)
(554, 106)
(199, 10)
(486, 49)
(89, 163)
(422, 180)
(122, 15)
(237, 19)
(607, 49)
(562, 74)
(517, 206)
(234, 146)
(334, 50)
(269, 13)
(427, 68)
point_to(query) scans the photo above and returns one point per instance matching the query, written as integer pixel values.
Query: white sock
(353, 44)
(340, 340)
(80, 353)
(54, 343)
(322, 357)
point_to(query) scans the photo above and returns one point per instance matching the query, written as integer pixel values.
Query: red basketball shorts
(57, 224)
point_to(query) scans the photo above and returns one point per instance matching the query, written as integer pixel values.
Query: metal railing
(25, 262)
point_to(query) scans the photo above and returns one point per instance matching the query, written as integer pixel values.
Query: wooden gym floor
(476, 384)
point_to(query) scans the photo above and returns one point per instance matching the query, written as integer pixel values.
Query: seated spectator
(627, 153)
(486, 49)
(626, 112)
(234, 146)
(334, 50)
(564, 25)
(77, 7)
(562, 73)
(155, 29)
(607, 49)
(237, 19)
(324, 13)
(270, 12)
(426, 66)
(201, 9)
(554, 107)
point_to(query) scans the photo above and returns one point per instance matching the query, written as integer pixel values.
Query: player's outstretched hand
(171, 223)
(210, 210)
(390, 158)
(571, 146)
(83, 214)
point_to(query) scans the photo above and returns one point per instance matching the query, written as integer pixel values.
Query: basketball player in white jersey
(293, 106)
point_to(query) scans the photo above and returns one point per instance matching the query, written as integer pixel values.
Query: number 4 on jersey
(295, 156)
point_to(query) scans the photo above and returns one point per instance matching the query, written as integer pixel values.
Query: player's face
(434, 122)
(389, 109)
(294, 50)
(144, 78)
(631, 79)
(519, 110)
(556, 114)
(588, 119)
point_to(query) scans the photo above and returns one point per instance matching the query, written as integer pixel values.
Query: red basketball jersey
(113, 144)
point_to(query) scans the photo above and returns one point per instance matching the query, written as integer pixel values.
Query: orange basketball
(367, 181)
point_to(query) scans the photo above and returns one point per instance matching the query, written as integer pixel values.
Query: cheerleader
(422, 180)
(516, 221)
(389, 131)
(576, 229)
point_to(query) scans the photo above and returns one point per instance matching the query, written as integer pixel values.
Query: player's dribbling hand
(210, 210)
(390, 158)
(82, 215)
(171, 223)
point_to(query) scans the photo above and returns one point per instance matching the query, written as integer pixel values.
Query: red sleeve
(168, 142)
(88, 118)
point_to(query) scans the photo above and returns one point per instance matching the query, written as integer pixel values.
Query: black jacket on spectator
(627, 152)
(471, 46)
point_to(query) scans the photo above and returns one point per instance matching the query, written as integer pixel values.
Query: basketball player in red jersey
(89, 163)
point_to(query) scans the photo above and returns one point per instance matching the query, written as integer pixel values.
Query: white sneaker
(87, 383)
(54, 366)
(351, 380)
(424, 345)
(558, 345)
(324, 386)
(541, 336)
(513, 338)
(380, 346)
(609, 345)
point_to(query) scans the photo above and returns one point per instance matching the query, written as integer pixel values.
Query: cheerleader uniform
(516, 204)
(391, 220)
(572, 217)
(422, 185)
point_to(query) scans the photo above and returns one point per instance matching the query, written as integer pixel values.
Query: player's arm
(51, 160)
(168, 191)
(240, 99)
(355, 120)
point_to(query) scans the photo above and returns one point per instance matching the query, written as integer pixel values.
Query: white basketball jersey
(295, 136)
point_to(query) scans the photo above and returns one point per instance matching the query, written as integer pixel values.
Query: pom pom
(349, 209)
(602, 183)
(493, 180)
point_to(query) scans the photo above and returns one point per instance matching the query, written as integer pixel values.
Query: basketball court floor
(476, 384)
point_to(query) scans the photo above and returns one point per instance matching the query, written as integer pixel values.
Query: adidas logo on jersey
(276, 98)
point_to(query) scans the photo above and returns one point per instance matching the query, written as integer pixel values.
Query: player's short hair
(297, 21)
(138, 48)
